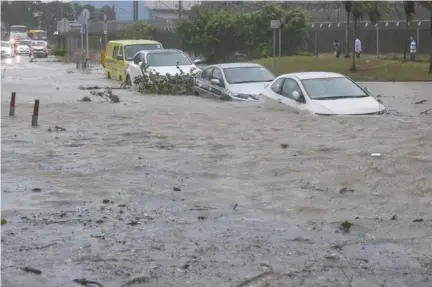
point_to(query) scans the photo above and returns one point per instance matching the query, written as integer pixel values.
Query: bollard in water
(12, 105)
(35, 113)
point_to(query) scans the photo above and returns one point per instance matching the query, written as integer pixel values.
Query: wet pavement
(185, 191)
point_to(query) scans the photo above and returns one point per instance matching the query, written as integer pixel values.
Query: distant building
(146, 10)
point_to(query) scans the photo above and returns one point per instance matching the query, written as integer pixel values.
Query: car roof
(236, 65)
(161, 51)
(133, 42)
(313, 75)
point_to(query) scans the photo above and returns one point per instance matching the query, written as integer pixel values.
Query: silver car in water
(233, 81)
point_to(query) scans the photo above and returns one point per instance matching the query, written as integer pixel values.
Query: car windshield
(39, 34)
(167, 59)
(332, 88)
(131, 50)
(241, 75)
(18, 29)
(25, 43)
(38, 44)
(5, 44)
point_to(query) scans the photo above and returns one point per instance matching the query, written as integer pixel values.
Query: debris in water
(175, 188)
(137, 280)
(133, 223)
(86, 99)
(107, 201)
(425, 112)
(3, 221)
(420, 102)
(345, 226)
(36, 190)
(235, 206)
(107, 95)
(32, 270)
(394, 217)
(376, 154)
(255, 278)
(57, 129)
(345, 190)
(202, 218)
(85, 282)
(284, 146)
(418, 220)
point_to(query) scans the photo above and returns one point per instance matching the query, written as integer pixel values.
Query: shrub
(221, 35)
(157, 84)
(60, 53)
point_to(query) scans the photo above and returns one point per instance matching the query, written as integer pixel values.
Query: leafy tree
(348, 8)
(361, 9)
(143, 31)
(409, 11)
(222, 34)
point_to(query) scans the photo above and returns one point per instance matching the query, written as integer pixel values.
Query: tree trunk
(347, 38)
(406, 38)
(430, 48)
(353, 67)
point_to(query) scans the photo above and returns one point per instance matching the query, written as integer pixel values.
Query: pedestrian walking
(336, 48)
(413, 49)
(357, 47)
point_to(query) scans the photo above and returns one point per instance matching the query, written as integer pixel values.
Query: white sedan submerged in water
(162, 61)
(322, 93)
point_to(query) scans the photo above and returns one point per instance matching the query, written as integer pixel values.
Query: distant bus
(18, 32)
(37, 34)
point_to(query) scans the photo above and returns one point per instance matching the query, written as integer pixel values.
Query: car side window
(276, 87)
(217, 74)
(289, 86)
(137, 58)
(206, 74)
(115, 51)
(120, 52)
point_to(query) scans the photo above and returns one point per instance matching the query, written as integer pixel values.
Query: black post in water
(35, 114)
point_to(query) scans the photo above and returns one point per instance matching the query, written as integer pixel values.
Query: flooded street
(186, 191)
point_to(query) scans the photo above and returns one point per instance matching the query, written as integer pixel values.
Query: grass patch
(369, 68)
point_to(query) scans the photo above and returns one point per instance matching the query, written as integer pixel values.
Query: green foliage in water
(156, 84)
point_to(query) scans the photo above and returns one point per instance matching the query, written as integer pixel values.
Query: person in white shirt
(357, 47)
(413, 49)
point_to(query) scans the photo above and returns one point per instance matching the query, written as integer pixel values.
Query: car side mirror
(119, 57)
(215, 82)
(197, 61)
(296, 95)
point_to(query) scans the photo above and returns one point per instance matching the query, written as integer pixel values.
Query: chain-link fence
(383, 38)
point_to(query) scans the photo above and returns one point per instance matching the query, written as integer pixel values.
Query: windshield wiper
(341, 97)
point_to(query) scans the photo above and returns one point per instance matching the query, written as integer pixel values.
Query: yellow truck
(37, 35)
(119, 53)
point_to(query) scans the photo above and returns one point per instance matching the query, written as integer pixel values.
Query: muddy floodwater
(185, 191)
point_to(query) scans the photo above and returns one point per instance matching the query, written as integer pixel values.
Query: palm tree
(409, 11)
(428, 5)
(361, 9)
(348, 6)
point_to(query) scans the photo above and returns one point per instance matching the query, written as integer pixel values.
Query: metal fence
(380, 38)
(386, 37)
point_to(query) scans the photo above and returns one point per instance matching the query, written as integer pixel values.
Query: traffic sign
(275, 24)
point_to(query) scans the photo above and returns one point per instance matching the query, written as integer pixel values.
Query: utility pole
(180, 9)
(58, 30)
(135, 17)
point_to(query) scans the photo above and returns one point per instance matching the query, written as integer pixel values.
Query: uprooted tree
(226, 35)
